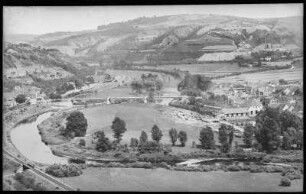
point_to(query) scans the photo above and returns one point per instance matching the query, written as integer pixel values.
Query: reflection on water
(26, 138)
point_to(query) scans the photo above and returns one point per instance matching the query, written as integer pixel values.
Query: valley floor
(123, 179)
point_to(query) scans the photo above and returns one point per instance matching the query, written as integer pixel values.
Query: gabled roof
(234, 110)
(251, 102)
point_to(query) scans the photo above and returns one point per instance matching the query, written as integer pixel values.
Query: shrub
(233, 168)
(156, 133)
(256, 169)
(141, 165)
(164, 165)
(292, 174)
(149, 147)
(182, 136)
(285, 182)
(20, 98)
(59, 170)
(115, 165)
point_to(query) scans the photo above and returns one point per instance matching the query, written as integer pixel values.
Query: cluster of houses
(248, 99)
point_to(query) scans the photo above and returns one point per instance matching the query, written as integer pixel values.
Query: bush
(285, 182)
(141, 165)
(149, 147)
(273, 169)
(59, 170)
(292, 174)
(256, 169)
(115, 165)
(164, 165)
(20, 98)
(233, 168)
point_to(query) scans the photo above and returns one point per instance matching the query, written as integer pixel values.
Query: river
(27, 140)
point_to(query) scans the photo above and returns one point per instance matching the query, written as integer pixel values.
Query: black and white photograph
(152, 98)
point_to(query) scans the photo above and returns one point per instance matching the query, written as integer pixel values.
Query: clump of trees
(195, 82)
(103, 143)
(276, 129)
(149, 83)
(27, 181)
(76, 125)
(226, 136)
(207, 138)
(21, 98)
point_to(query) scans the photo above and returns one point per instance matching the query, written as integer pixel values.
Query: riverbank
(13, 118)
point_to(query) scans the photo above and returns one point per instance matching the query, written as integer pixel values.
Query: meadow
(140, 117)
(127, 179)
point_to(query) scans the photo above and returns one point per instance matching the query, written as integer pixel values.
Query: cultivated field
(124, 179)
(294, 74)
(207, 68)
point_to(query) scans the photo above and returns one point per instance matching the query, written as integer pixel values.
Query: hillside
(175, 38)
(23, 63)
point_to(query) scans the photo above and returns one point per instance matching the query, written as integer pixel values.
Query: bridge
(27, 165)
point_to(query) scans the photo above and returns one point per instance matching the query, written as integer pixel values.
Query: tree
(134, 142)
(76, 125)
(288, 119)
(182, 136)
(103, 144)
(118, 126)
(136, 86)
(299, 139)
(248, 135)
(156, 133)
(143, 137)
(207, 138)
(173, 135)
(21, 98)
(267, 135)
(226, 136)
(289, 138)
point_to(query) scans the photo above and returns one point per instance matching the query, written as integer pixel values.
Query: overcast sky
(39, 20)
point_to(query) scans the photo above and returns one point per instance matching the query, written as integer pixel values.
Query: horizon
(42, 20)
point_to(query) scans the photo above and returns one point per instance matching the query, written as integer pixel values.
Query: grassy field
(140, 117)
(120, 179)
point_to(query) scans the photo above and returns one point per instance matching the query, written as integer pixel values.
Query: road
(57, 182)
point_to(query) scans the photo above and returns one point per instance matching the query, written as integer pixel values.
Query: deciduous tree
(207, 138)
(173, 135)
(76, 125)
(182, 136)
(118, 127)
(156, 133)
(248, 135)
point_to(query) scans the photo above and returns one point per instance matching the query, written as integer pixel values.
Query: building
(249, 108)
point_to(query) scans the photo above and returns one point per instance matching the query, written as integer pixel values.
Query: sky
(40, 20)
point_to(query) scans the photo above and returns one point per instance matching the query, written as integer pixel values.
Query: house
(249, 108)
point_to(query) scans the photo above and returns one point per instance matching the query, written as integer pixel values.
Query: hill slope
(173, 38)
